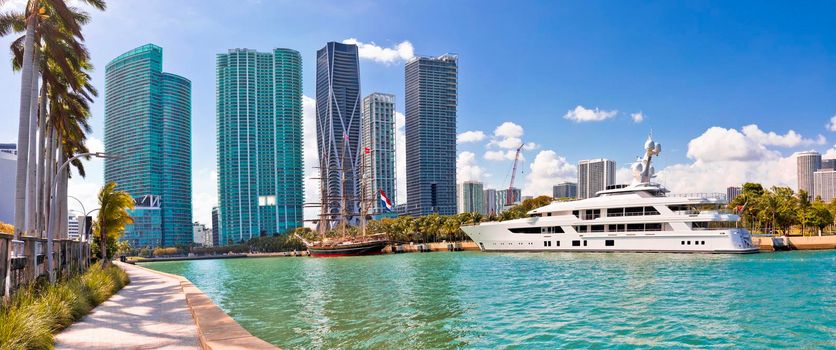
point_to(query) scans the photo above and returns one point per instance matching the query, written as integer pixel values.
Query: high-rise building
(431, 104)
(471, 197)
(72, 225)
(824, 184)
(148, 125)
(338, 114)
(378, 171)
(594, 175)
(808, 163)
(10, 148)
(565, 190)
(216, 226)
(731, 192)
(828, 164)
(199, 233)
(502, 198)
(490, 201)
(147, 229)
(259, 126)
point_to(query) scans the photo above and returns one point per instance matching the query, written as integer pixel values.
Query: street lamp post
(53, 207)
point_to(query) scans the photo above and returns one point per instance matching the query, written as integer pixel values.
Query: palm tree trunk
(49, 156)
(42, 155)
(55, 213)
(103, 238)
(23, 125)
(32, 163)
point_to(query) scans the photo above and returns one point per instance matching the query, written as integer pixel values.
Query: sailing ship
(345, 244)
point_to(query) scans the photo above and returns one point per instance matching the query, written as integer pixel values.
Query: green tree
(820, 216)
(112, 218)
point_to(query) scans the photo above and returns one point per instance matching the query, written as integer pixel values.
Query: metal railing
(28, 262)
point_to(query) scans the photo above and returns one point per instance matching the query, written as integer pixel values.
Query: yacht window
(580, 229)
(525, 230)
(576, 213)
(634, 211)
(678, 207)
(609, 242)
(615, 212)
(683, 243)
(557, 243)
(635, 227)
(650, 211)
(584, 243)
(702, 243)
(536, 215)
(616, 228)
(597, 228)
(699, 225)
(653, 227)
(689, 242)
(576, 243)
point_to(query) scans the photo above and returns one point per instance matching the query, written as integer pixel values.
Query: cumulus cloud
(508, 130)
(790, 139)
(402, 51)
(715, 177)
(581, 114)
(470, 136)
(548, 169)
(204, 194)
(501, 155)
(637, 117)
(831, 125)
(94, 144)
(720, 144)
(467, 169)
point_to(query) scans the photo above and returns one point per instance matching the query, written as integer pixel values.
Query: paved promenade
(149, 313)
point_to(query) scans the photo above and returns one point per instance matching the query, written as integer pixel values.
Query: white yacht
(641, 217)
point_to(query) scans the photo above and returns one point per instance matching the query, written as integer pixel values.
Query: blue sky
(698, 72)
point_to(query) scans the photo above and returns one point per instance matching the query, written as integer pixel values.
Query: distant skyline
(731, 89)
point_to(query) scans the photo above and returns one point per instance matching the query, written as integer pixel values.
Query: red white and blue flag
(385, 202)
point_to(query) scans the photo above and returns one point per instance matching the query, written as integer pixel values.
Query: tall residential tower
(808, 163)
(259, 125)
(594, 175)
(148, 125)
(338, 113)
(378, 158)
(431, 104)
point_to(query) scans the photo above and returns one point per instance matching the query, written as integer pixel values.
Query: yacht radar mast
(643, 171)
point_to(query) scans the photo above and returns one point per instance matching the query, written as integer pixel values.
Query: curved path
(158, 311)
(149, 313)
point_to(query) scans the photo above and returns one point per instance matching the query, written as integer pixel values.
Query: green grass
(35, 313)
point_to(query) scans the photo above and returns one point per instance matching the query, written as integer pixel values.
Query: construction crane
(510, 196)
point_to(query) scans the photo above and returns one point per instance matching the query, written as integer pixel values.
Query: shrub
(34, 313)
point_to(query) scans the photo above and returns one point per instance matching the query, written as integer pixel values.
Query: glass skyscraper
(148, 124)
(338, 126)
(431, 101)
(259, 125)
(378, 150)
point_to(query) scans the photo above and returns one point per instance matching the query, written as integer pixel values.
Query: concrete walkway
(149, 313)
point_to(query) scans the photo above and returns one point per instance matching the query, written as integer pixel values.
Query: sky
(730, 89)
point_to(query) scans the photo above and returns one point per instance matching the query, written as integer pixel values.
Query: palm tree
(113, 215)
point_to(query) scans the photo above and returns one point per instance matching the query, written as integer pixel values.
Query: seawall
(771, 244)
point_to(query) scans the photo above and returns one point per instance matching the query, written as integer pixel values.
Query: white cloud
(720, 144)
(467, 169)
(400, 158)
(715, 177)
(310, 156)
(508, 130)
(547, 170)
(470, 136)
(94, 144)
(831, 125)
(790, 139)
(581, 114)
(204, 195)
(402, 51)
(637, 117)
(501, 155)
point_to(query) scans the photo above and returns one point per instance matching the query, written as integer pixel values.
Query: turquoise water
(568, 300)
